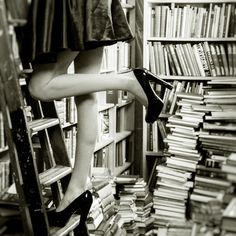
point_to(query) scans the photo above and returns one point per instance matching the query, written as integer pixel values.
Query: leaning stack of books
(131, 188)
(174, 178)
(102, 216)
(219, 128)
(170, 196)
(206, 199)
(184, 129)
(95, 216)
(144, 221)
(229, 166)
(229, 218)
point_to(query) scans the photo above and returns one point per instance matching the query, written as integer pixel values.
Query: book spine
(219, 56)
(158, 21)
(198, 60)
(175, 59)
(209, 59)
(230, 58)
(215, 59)
(224, 59)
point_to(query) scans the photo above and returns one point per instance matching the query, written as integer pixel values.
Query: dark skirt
(56, 25)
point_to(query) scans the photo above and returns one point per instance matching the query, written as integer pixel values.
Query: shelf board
(122, 135)
(222, 82)
(68, 125)
(103, 144)
(120, 169)
(154, 154)
(105, 107)
(189, 39)
(190, 1)
(125, 103)
(197, 78)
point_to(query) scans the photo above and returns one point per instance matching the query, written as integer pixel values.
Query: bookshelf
(114, 151)
(191, 44)
(168, 35)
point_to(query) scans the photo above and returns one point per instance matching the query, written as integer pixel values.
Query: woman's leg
(87, 130)
(50, 81)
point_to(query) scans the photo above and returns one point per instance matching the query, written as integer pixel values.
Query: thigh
(89, 61)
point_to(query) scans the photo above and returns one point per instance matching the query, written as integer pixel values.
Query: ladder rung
(73, 223)
(41, 124)
(54, 174)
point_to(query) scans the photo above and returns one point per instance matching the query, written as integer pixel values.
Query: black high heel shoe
(155, 104)
(80, 206)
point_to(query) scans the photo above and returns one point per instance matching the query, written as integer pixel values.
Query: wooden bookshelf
(162, 37)
(117, 147)
(191, 136)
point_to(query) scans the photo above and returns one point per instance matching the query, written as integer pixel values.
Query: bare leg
(86, 137)
(50, 81)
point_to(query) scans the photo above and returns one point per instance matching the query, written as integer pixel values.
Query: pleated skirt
(56, 25)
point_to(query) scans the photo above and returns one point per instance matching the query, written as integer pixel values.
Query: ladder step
(72, 224)
(41, 124)
(54, 174)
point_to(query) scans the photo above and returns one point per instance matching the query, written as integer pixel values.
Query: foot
(81, 206)
(136, 89)
(68, 198)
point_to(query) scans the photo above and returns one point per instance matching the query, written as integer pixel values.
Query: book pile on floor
(219, 127)
(207, 198)
(102, 218)
(229, 218)
(170, 196)
(183, 137)
(175, 177)
(229, 167)
(134, 205)
(213, 188)
(144, 221)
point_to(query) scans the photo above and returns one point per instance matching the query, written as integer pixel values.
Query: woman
(58, 32)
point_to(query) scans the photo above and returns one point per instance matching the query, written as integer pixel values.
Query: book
(126, 179)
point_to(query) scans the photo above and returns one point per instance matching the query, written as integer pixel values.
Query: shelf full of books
(114, 149)
(192, 45)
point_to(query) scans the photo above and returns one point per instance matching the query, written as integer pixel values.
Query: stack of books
(229, 166)
(184, 130)
(132, 189)
(144, 221)
(229, 218)
(207, 197)
(170, 196)
(175, 230)
(218, 135)
(103, 216)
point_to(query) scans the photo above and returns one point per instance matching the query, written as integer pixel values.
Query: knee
(38, 90)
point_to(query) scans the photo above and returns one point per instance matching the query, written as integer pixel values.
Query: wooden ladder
(31, 180)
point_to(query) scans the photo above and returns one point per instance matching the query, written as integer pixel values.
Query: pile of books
(144, 221)
(184, 130)
(218, 135)
(170, 196)
(103, 218)
(175, 230)
(229, 218)
(135, 203)
(229, 166)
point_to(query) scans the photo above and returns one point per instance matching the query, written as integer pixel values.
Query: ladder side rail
(21, 151)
